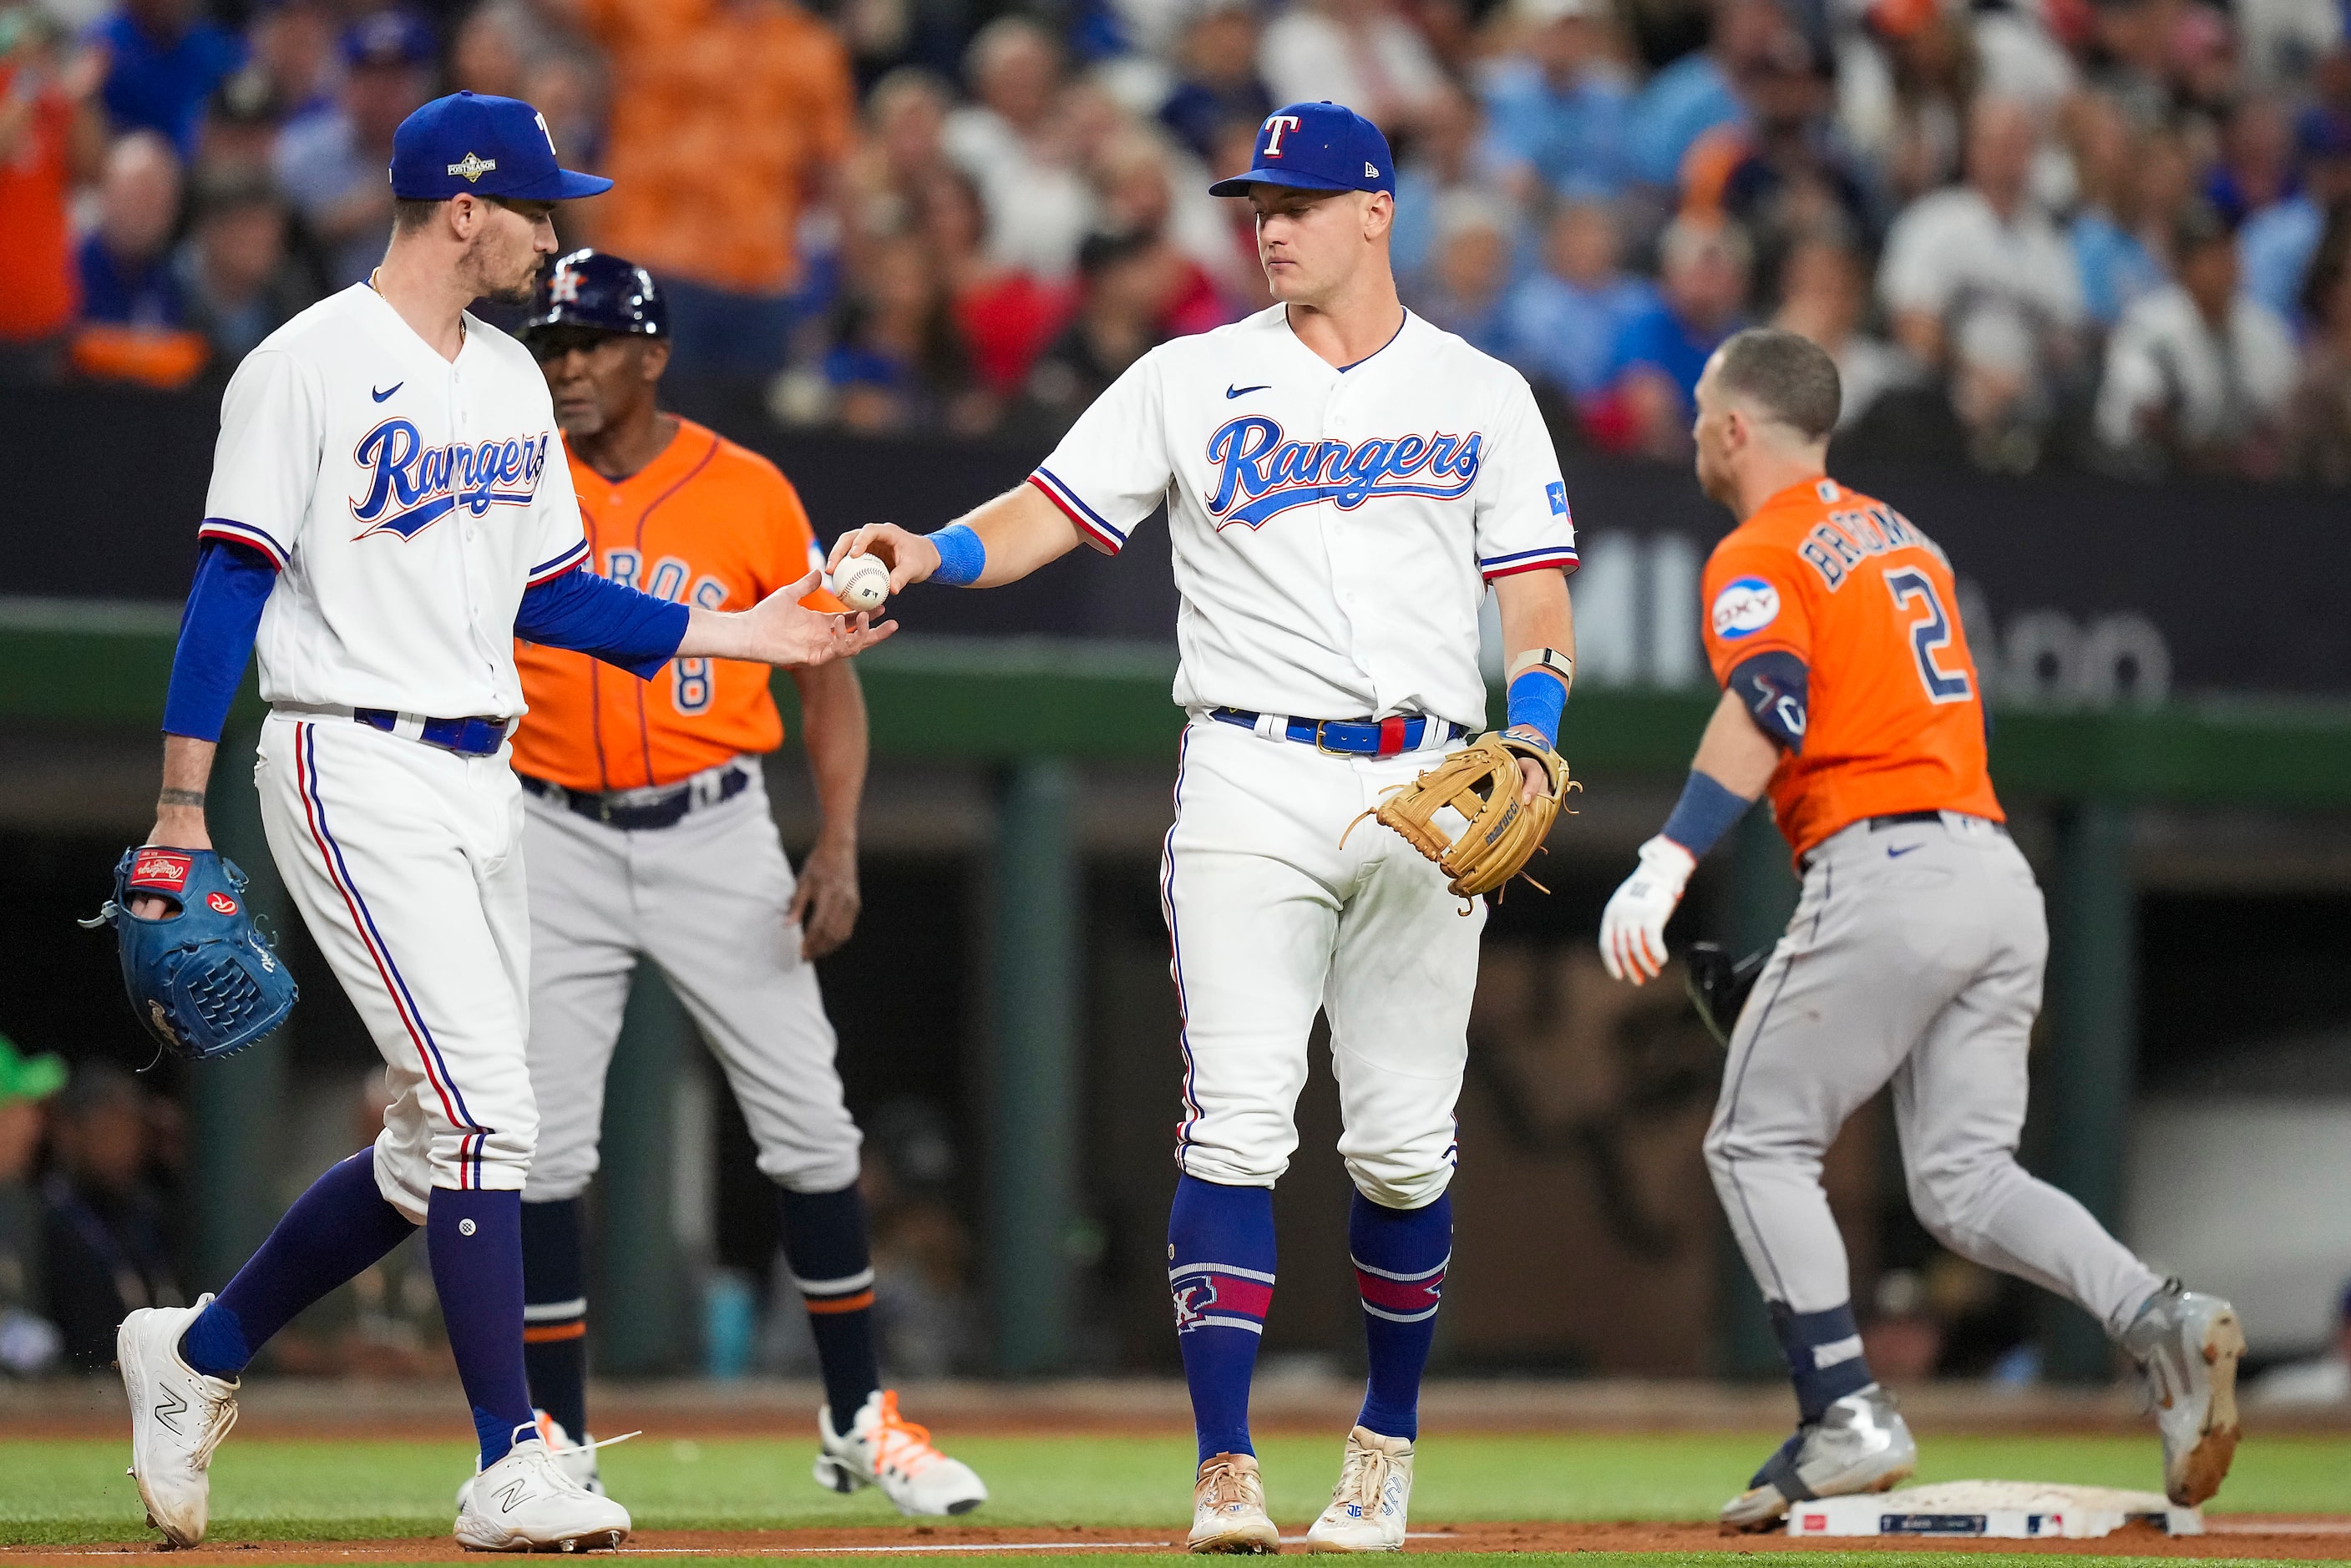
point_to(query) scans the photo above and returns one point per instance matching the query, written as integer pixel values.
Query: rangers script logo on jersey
(1274, 474)
(412, 485)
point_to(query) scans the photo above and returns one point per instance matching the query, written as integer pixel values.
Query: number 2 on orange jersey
(1929, 632)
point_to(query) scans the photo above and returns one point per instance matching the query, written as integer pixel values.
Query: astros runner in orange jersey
(649, 835)
(1916, 954)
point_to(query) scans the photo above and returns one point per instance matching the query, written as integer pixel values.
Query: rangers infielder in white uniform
(1342, 480)
(389, 508)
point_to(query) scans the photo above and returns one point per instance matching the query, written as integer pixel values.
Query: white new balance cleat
(1367, 1506)
(882, 1448)
(1228, 1508)
(2187, 1345)
(1860, 1444)
(178, 1417)
(526, 1502)
(576, 1461)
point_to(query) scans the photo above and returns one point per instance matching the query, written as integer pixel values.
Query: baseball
(861, 583)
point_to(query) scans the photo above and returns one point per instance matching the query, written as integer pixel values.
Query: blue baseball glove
(202, 978)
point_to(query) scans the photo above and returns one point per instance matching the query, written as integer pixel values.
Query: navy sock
(1220, 1270)
(1400, 1257)
(1824, 1359)
(474, 1240)
(824, 1245)
(555, 1313)
(335, 1230)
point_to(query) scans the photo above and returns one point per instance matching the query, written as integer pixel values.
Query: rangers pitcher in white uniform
(1343, 480)
(389, 509)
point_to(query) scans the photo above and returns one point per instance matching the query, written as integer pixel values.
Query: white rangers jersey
(407, 500)
(1334, 528)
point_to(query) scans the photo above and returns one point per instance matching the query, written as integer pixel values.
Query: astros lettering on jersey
(406, 500)
(707, 523)
(1849, 586)
(1438, 475)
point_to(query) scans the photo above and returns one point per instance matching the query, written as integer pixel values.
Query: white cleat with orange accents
(882, 1448)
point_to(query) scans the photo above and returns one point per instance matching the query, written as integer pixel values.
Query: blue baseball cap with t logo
(1320, 146)
(488, 146)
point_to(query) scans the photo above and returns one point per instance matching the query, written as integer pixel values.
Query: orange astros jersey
(1894, 719)
(708, 523)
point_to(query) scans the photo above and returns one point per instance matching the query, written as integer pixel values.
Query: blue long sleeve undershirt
(577, 610)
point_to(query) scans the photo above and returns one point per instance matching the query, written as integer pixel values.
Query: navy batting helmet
(588, 288)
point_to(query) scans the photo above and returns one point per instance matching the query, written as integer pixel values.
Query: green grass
(60, 1492)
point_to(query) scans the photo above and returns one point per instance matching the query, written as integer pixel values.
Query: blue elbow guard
(1704, 812)
(961, 556)
(1777, 689)
(1538, 698)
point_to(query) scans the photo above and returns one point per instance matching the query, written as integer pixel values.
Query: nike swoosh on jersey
(1895, 852)
(387, 392)
(1232, 391)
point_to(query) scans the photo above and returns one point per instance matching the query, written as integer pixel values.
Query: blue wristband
(1538, 698)
(1704, 814)
(962, 557)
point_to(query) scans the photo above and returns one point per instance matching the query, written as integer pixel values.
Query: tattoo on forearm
(180, 797)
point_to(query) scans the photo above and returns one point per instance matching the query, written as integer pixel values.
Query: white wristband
(1550, 658)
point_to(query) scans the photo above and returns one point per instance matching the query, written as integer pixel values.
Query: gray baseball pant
(1916, 954)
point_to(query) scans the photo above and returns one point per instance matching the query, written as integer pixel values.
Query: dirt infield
(2299, 1538)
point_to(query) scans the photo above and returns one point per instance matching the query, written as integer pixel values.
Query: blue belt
(468, 737)
(1355, 738)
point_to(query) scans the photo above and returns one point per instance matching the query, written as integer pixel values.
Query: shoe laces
(219, 1415)
(1363, 1478)
(902, 1444)
(1227, 1483)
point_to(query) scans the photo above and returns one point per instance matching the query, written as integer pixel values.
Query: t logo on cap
(1275, 125)
(1315, 147)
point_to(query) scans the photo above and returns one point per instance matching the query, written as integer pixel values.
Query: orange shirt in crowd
(707, 523)
(37, 292)
(1894, 718)
(725, 112)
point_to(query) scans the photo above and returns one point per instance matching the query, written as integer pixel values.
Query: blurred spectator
(2114, 263)
(1980, 286)
(1219, 83)
(238, 282)
(105, 1251)
(1904, 83)
(163, 60)
(2280, 41)
(2130, 42)
(2324, 1379)
(1901, 1336)
(507, 48)
(241, 123)
(1136, 194)
(1012, 143)
(729, 121)
(2255, 170)
(2279, 242)
(1782, 175)
(1702, 290)
(900, 153)
(1556, 105)
(1124, 287)
(295, 56)
(331, 164)
(2017, 58)
(1696, 93)
(2321, 420)
(1448, 152)
(29, 1342)
(1465, 288)
(2198, 374)
(52, 136)
(898, 363)
(1824, 295)
(1359, 53)
(1564, 323)
(1006, 316)
(124, 262)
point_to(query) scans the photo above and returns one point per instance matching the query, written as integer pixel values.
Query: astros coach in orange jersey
(649, 835)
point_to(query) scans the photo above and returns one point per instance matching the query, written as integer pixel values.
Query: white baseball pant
(406, 862)
(1270, 918)
(705, 899)
(1916, 954)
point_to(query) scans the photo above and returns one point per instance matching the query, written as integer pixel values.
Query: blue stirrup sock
(1400, 1256)
(555, 1312)
(1220, 1258)
(825, 1247)
(335, 1230)
(475, 1242)
(1825, 1358)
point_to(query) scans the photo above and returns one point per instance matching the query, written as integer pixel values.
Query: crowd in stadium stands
(2111, 231)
